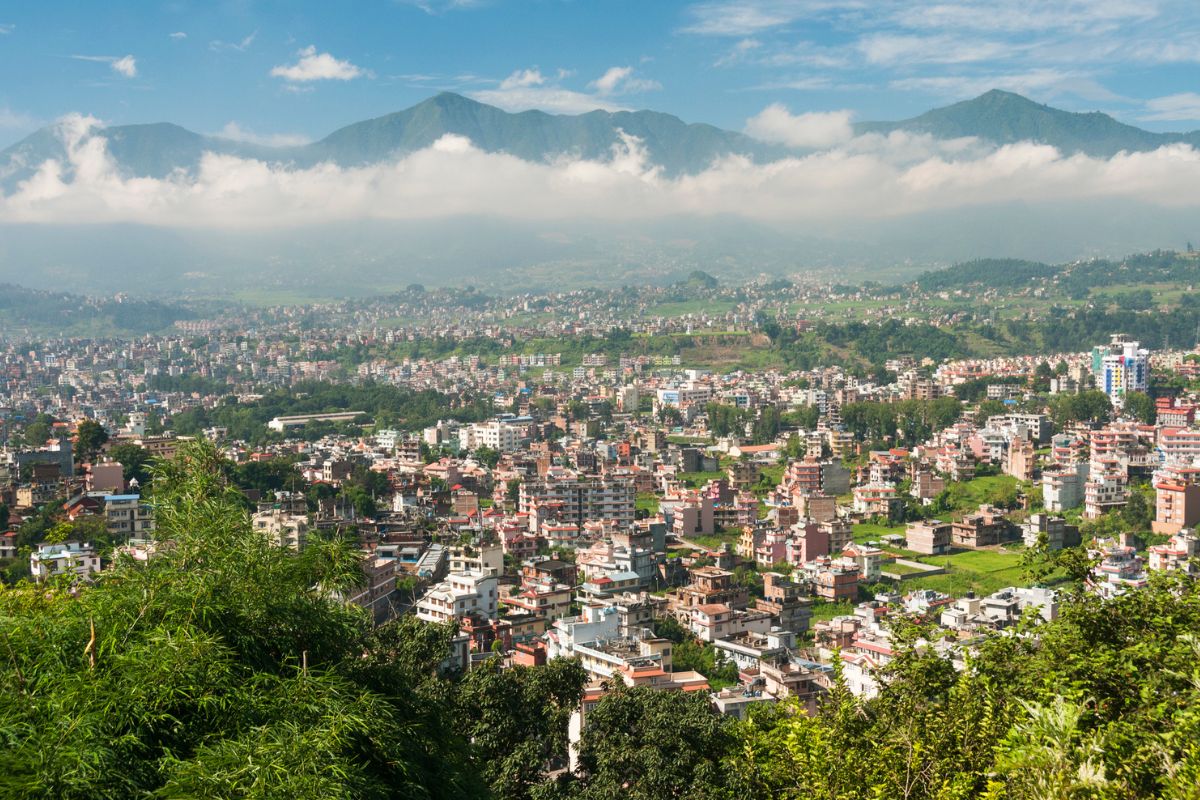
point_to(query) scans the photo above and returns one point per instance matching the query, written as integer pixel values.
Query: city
(705, 399)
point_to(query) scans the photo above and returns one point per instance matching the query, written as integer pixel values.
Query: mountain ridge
(1006, 117)
(160, 149)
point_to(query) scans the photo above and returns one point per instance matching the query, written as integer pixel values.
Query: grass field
(647, 501)
(870, 531)
(823, 609)
(685, 307)
(715, 540)
(901, 569)
(968, 496)
(979, 571)
(698, 479)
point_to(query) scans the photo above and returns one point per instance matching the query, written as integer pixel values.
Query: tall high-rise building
(1121, 367)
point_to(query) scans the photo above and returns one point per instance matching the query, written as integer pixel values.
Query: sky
(288, 72)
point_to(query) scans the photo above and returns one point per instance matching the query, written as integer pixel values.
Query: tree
(1140, 407)
(646, 744)
(90, 436)
(222, 667)
(39, 430)
(135, 460)
(516, 720)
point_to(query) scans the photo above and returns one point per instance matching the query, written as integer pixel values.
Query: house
(1058, 534)
(929, 537)
(1063, 486)
(869, 560)
(1179, 553)
(127, 515)
(283, 529)
(878, 500)
(985, 528)
(1177, 505)
(50, 560)
(459, 595)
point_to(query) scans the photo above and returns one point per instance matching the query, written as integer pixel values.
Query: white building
(461, 594)
(1063, 487)
(284, 530)
(52, 559)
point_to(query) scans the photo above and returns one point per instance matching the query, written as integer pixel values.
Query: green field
(698, 479)
(715, 540)
(901, 569)
(871, 531)
(647, 501)
(967, 497)
(979, 571)
(684, 307)
(823, 609)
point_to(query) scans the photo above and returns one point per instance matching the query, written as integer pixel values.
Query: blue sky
(290, 71)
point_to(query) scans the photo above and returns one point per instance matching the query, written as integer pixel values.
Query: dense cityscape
(754, 537)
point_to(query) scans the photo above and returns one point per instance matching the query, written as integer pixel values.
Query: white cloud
(1182, 106)
(237, 133)
(748, 17)
(177, 35)
(314, 66)
(891, 49)
(125, 66)
(530, 88)
(777, 125)
(6, 28)
(1090, 16)
(621, 80)
(869, 178)
(441, 6)
(523, 78)
(240, 46)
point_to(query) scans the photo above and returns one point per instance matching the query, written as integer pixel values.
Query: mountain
(158, 149)
(676, 146)
(1005, 118)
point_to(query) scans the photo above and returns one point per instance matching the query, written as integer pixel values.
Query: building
(1063, 486)
(1178, 554)
(1057, 532)
(878, 500)
(869, 560)
(576, 500)
(494, 434)
(929, 537)
(1177, 506)
(281, 424)
(53, 559)
(283, 529)
(460, 595)
(985, 528)
(127, 515)
(1104, 491)
(1120, 368)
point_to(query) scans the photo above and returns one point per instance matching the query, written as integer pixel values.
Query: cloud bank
(853, 181)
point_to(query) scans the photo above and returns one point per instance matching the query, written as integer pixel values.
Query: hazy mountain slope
(156, 150)
(1004, 118)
